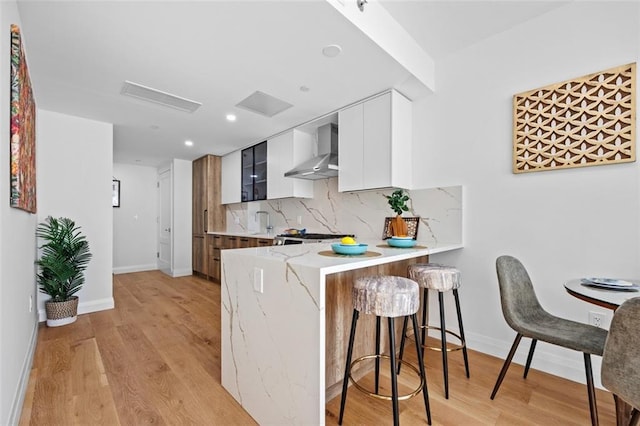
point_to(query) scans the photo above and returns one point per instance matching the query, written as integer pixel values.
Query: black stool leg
(404, 335)
(507, 362)
(423, 373)
(443, 337)
(593, 407)
(464, 341)
(377, 378)
(394, 378)
(347, 368)
(425, 313)
(530, 357)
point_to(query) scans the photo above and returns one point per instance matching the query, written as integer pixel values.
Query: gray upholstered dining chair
(524, 314)
(620, 372)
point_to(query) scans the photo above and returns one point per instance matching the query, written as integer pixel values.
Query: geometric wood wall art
(586, 121)
(23, 130)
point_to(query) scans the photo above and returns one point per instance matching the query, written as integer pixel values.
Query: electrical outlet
(597, 318)
(258, 280)
(30, 303)
(299, 220)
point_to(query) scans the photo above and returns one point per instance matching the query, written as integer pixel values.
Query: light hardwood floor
(155, 359)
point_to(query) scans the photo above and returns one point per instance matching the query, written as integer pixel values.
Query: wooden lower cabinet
(216, 243)
(199, 255)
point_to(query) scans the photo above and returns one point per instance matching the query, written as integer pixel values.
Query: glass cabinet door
(254, 172)
(260, 171)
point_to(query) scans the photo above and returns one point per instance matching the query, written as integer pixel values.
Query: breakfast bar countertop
(307, 255)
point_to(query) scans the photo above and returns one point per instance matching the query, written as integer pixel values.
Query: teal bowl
(401, 242)
(349, 248)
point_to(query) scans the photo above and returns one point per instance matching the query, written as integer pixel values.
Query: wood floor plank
(129, 393)
(155, 359)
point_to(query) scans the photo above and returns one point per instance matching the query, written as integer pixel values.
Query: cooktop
(311, 236)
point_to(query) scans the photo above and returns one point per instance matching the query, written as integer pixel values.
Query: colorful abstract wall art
(23, 130)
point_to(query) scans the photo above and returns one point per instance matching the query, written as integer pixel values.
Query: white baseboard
(135, 268)
(182, 273)
(565, 363)
(85, 307)
(18, 398)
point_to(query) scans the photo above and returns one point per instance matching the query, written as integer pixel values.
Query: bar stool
(391, 297)
(432, 276)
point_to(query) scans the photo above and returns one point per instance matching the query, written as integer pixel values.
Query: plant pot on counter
(398, 227)
(61, 313)
(411, 224)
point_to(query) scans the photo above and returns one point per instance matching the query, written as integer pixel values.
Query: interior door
(164, 223)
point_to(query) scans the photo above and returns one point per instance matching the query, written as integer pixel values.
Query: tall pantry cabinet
(208, 214)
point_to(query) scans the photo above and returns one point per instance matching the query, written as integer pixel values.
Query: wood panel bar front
(338, 315)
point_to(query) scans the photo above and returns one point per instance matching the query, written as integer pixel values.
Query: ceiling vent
(159, 97)
(264, 104)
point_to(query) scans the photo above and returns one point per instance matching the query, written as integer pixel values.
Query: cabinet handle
(204, 220)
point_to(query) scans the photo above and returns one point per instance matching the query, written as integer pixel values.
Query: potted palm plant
(64, 257)
(398, 202)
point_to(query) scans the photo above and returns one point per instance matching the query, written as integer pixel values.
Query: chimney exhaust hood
(325, 165)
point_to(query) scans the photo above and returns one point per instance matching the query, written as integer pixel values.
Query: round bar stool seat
(440, 278)
(390, 297)
(386, 296)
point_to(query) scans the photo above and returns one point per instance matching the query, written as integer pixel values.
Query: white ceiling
(80, 53)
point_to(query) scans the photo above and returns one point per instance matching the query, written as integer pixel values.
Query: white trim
(570, 367)
(85, 307)
(135, 268)
(18, 399)
(181, 273)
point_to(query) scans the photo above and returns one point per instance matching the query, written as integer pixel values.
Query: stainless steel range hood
(325, 165)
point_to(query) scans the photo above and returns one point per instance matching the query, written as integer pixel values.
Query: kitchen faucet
(269, 227)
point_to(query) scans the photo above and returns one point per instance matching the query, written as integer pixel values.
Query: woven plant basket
(61, 313)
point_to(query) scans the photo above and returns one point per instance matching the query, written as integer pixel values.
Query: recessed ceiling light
(231, 117)
(188, 143)
(331, 51)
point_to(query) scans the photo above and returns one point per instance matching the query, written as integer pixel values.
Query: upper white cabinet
(284, 152)
(231, 178)
(375, 143)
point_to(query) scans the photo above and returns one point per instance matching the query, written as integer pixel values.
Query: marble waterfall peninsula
(285, 309)
(285, 312)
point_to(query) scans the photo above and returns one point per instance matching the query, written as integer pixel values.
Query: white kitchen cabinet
(231, 178)
(284, 152)
(375, 143)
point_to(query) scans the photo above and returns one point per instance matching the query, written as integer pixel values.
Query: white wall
(18, 325)
(135, 230)
(561, 224)
(181, 217)
(74, 180)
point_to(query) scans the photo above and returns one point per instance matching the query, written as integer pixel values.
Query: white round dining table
(606, 298)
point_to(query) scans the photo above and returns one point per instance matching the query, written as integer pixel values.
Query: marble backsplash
(360, 213)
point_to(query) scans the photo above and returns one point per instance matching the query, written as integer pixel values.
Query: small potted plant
(398, 202)
(64, 257)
